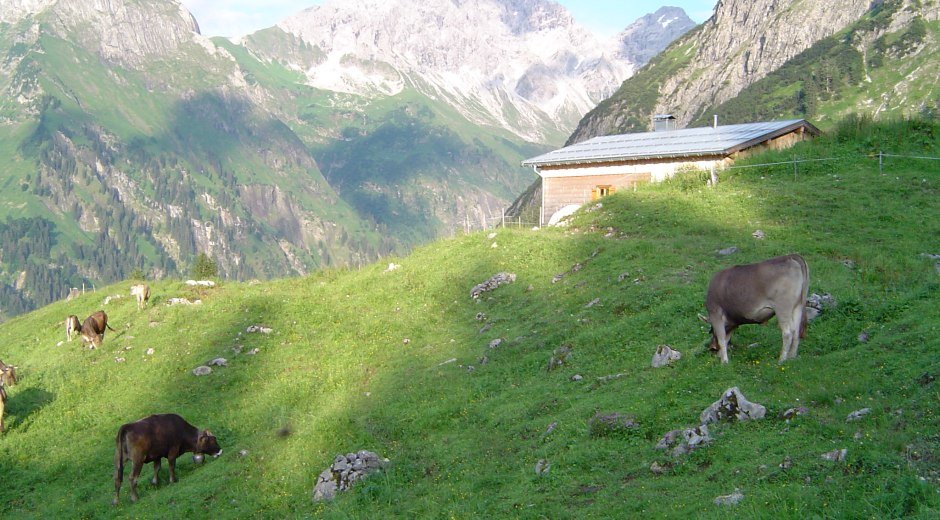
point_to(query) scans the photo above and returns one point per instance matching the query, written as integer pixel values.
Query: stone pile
(559, 357)
(732, 405)
(680, 442)
(494, 281)
(203, 283)
(665, 355)
(604, 424)
(817, 303)
(345, 471)
(260, 329)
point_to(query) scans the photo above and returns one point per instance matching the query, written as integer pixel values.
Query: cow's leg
(722, 336)
(798, 328)
(135, 473)
(156, 472)
(789, 335)
(171, 458)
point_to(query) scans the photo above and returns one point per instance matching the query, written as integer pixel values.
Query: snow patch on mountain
(510, 63)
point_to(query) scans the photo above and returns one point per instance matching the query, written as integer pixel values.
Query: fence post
(714, 177)
(504, 218)
(881, 157)
(794, 167)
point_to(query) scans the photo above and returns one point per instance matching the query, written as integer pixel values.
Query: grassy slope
(339, 375)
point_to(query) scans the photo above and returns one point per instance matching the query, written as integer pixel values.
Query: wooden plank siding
(558, 192)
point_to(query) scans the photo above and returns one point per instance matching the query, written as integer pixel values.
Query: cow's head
(8, 375)
(93, 338)
(206, 443)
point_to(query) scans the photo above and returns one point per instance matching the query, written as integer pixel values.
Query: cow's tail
(119, 448)
(112, 328)
(803, 294)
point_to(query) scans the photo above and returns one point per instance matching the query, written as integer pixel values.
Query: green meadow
(400, 360)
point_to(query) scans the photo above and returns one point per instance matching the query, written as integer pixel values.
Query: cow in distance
(7, 374)
(142, 293)
(72, 327)
(93, 328)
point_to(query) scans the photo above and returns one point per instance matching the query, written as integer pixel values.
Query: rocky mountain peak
(524, 62)
(649, 35)
(126, 32)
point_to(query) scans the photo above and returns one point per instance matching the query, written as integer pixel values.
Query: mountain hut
(591, 169)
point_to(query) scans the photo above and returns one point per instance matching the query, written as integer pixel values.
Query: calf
(72, 327)
(754, 293)
(142, 292)
(7, 374)
(93, 328)
(153, 438)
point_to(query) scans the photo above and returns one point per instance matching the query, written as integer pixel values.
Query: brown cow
(7, 374)
(754, 293)
(142, 292)
(3, 402)
(93, 328)
(72, 327)
(153, 438)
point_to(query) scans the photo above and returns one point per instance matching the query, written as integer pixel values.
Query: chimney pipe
(715, 124)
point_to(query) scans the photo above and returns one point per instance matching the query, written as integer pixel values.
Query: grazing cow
(72, 327)
(153, 438)
(142, 292)
(7, 374)
(3, 403)
(93, 328)
(754, 293)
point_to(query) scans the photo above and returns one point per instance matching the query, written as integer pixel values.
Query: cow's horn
(703, 318)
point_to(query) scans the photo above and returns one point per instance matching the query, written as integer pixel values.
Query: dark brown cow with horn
(153, 438)
(754, 293)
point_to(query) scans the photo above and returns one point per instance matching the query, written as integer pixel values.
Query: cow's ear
(207, 433)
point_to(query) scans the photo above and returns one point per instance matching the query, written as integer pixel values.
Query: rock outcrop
(732, 406)
(741, 43)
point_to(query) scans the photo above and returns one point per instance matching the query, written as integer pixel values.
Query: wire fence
(510, 221)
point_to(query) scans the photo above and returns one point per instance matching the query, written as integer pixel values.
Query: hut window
(601, 191)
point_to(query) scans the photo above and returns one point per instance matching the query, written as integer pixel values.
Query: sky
(235, 18)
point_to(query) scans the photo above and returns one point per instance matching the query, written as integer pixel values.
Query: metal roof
(689, 142)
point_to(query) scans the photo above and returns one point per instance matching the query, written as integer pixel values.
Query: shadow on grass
(25, 403)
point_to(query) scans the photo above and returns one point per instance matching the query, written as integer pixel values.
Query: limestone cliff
(741, 43)
(121, 32)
